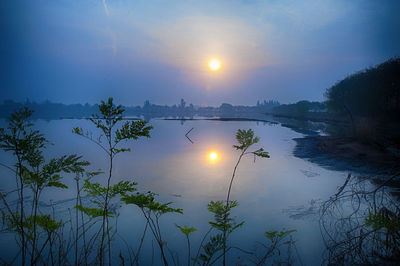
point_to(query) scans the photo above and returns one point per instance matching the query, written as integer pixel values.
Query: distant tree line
(373, 93)
(49, 110)
(301, 107)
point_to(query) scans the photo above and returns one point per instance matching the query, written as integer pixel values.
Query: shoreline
(346, 154)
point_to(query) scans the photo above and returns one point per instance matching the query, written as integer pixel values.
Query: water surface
(276, 193)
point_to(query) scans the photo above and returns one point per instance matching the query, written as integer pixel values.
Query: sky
(76, 51)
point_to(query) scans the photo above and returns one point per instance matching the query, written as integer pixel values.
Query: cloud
(106, 8)
(189, 42)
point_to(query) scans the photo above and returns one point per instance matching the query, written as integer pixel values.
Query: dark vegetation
(361, 110)
(49, 110)
(86, 237)
(370, 93)
(373, 92)
(367, 232)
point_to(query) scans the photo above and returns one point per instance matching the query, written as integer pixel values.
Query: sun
(214, 64)
(213, 156)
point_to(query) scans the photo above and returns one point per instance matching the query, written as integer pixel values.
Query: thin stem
(35, 203)
(136, 259)
(188, 243)
(201, 244)
(227, 203)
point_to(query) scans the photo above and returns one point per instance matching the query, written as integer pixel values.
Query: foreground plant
(108, 121)
(187, 231)
(367, 231)
(35, 229)
(221, 210)
(152, 211)
(276, 239)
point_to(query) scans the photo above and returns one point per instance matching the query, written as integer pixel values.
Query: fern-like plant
(221, 210)
(34, 175)
(108, 123)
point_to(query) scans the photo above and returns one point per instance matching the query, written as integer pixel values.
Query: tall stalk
(20, 187)
(107, 121)
(227, 200)
(245, 139)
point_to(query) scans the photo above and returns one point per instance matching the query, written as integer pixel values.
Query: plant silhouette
(107, 121)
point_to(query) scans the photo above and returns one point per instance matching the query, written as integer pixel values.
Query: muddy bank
(346, 154)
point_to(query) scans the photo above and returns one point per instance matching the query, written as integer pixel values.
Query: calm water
(276, 193)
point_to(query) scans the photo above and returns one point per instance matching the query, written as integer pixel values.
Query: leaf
(186, 230)
(270, 234)
(45, 222)
(57, 184)
(261, 153)
(215, 244)
(121, 188)
(285, 233)
(275, 235)
(144, 201)
(92, 212)
(222, 220)
(132, 130)
(378, 221)
(245, 138)
(140, 200)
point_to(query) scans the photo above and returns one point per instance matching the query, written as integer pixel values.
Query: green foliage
(276, 235)
(276, 238)
(221, 210)
(152, 211)
(13, 224)
(147, 202)
(57, 184)
(213, 246)
(45, 222)
(33, 175)
(133, 130)
(49, 176)
(106, 121)
(97, 190)
(110, 115)
(245, 138)
(92, 212)
(27, 144)
(140, 200)
(261, 153)
(21, 139)
(378, 221)
(372, 92)
(222, 220)
(186, 230)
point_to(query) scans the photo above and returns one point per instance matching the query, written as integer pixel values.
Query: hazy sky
(77, 51)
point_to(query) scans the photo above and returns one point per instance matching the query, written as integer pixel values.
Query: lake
(282, 192)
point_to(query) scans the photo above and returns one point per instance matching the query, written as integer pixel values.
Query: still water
(282, 192)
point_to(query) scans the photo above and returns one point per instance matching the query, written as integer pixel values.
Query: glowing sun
(213, 156)
(214, 64)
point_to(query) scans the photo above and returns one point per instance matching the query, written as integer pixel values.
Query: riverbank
(346, 154)
(314, 117)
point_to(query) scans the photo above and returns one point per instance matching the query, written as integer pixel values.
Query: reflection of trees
(360, 225)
